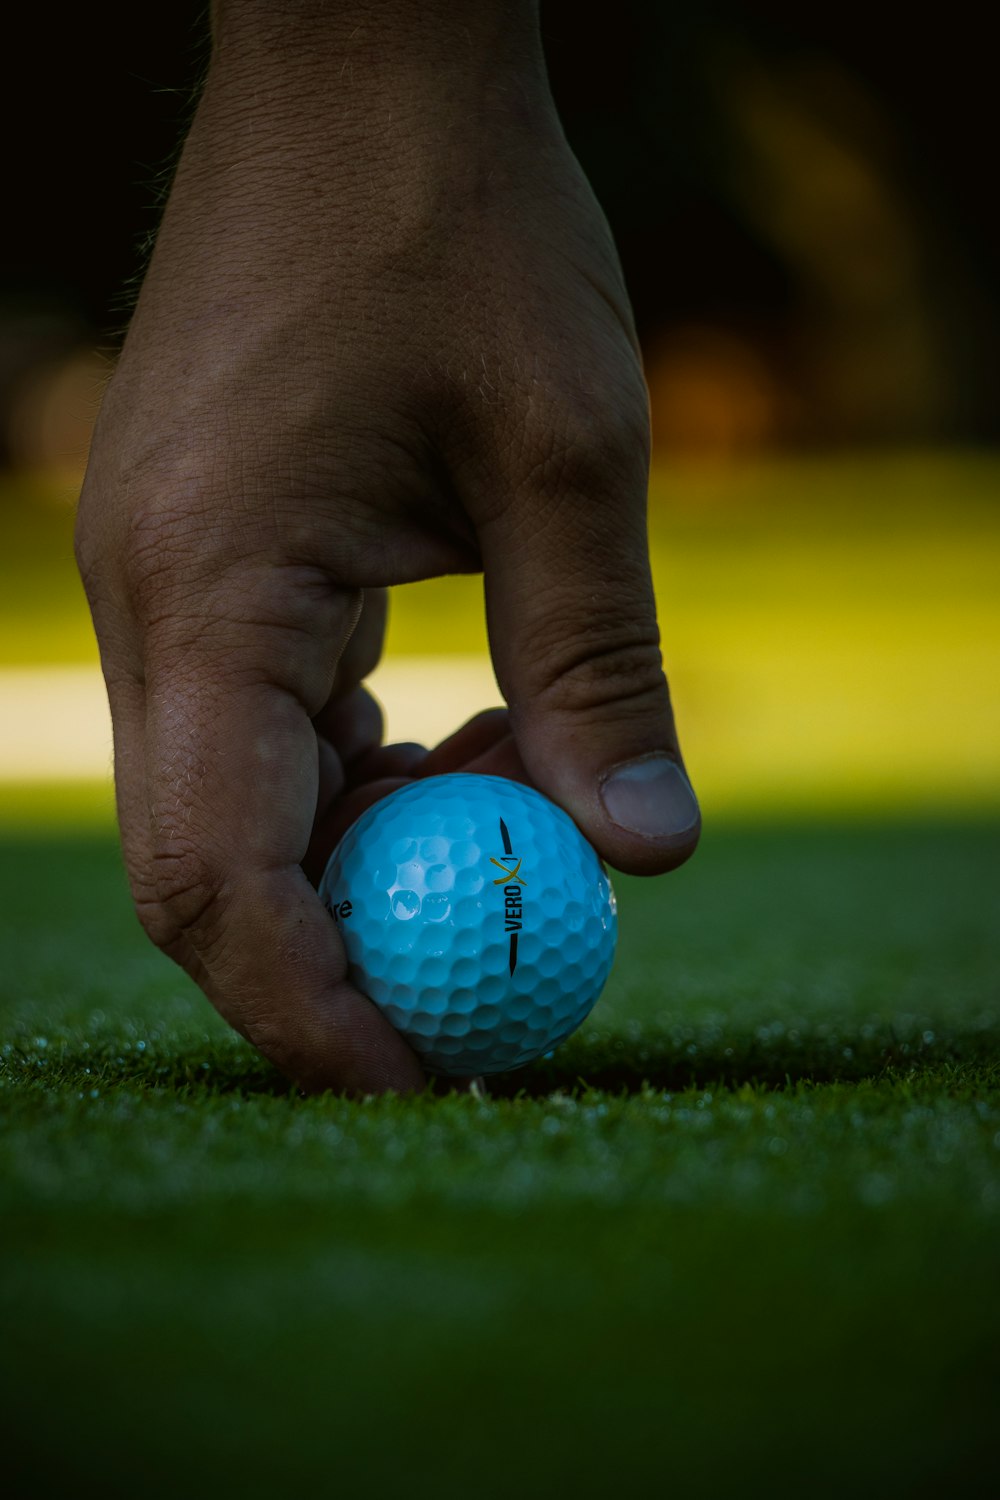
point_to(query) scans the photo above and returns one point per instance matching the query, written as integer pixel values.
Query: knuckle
(154, 921)
(157, 548)
(93, 544)
(181, 896)
(265, 1031)
(174, 527)
(596, 454)
(607, 450)
(587, 675)
(85, 547)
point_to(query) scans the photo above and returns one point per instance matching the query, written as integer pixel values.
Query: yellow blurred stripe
(55, 726)
(831, 630)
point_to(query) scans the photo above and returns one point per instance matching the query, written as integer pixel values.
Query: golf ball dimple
(477, 918)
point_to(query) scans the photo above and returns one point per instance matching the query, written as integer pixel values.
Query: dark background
(802, 200)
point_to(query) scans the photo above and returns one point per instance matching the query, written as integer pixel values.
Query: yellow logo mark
(509, 875)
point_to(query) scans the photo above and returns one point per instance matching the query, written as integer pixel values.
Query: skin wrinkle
(308, 685)
(632, 692)
(240, 598)
(604, 661)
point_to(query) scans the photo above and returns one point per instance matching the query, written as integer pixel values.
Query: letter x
(508, 875)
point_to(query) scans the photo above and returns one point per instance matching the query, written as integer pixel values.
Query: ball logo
(512, 880)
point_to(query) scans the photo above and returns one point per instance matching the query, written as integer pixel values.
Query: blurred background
(802, 204)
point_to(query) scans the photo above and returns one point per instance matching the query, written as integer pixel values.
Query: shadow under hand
(769, 1060)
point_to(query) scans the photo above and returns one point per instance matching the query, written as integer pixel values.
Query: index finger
(231, 778)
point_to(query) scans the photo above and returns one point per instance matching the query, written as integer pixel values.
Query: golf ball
(477, 918)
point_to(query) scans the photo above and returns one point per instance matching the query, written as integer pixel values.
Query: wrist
(359, 45)
(379, 90)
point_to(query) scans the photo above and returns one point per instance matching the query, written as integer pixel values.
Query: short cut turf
(739, 1235)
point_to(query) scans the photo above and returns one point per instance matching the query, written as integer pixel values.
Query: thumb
(576, 649)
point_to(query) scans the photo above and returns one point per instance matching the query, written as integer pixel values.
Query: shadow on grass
(608, 1062)
(617, 1066)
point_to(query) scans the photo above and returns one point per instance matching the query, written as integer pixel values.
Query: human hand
(383, 337)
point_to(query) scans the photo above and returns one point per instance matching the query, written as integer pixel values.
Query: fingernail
(651, 796)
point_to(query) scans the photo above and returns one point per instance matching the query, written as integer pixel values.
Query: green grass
(739, 1236)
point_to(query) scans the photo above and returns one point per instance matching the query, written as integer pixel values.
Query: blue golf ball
(477, 918)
